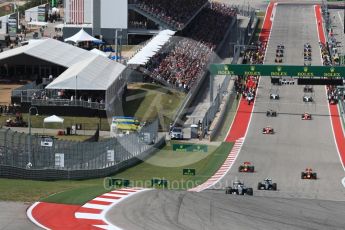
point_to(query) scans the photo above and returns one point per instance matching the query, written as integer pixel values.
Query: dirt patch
(5, 93)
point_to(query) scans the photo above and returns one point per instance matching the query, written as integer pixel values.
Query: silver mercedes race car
(267, 184)
(274, 96)
(239, 188)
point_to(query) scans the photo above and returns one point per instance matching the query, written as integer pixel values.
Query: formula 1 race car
(280, 47)
(267, 184)
(278, 60)
(307, 46)
(307, 53)
(271, 113)
(306, 116)
(279, 54)
(246, 167)
(308, 174)
(307, 98)
(267, 130)
(239, 188)
(307, 58)
(287, 81)
(274, 96)
(308, 89)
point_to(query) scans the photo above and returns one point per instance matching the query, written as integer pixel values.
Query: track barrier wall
(73, 160)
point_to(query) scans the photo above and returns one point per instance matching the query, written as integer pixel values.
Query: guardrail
(56, 159)
(66, 102)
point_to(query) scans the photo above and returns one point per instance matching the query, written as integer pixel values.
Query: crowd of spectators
(332, 94)
(182, 61)
(246, 86)
(8, 109)
(40, 94)
(181, 65)
(255, 54)
(326, 58)
(175, 13)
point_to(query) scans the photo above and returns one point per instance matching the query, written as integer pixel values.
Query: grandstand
(136, 20)
(183, 59)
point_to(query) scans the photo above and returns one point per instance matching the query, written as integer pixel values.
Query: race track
(299, 204)
(297, 144)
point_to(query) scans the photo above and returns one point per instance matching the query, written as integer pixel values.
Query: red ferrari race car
(246, 167)
(306, 116)
(267, 130)
(308, 174)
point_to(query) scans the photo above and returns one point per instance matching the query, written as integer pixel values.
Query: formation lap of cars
(238, 187)
(307, 54)
(279, 53)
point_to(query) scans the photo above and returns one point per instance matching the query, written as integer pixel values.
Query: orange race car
(246, 167)
(308, 174)
(306, 116)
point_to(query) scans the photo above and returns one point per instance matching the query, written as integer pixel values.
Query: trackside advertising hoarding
(279, 70)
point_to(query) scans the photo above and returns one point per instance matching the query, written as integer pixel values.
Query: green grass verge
(147, 101)
(165, 164)
(143, 101)
(29, 191)
(88, 123)
(78, 195)
(156, 167)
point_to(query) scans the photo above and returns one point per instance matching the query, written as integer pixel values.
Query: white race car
(307, 98)
(274, 96)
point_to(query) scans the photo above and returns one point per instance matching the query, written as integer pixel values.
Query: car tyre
(250, 191)
(259, 185)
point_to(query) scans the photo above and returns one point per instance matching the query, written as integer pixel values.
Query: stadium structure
(63, 79)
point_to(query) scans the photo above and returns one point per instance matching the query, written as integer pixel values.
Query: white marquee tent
(82, 36)
(52, 119)
(151, 48)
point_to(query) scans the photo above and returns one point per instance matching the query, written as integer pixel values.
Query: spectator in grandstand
(182, 61)
(175, 13)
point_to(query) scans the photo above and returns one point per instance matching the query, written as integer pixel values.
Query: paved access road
(297, 144)
(13, 216)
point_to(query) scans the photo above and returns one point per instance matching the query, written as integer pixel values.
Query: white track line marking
(89, 216)
(33, 220)
(343, 181)
(105, 199)
(95, 206)
(105, 208)
(341, 20)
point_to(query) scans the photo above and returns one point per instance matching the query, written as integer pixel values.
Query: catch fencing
(53, 154)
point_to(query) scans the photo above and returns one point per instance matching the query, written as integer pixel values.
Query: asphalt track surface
(297, 144)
